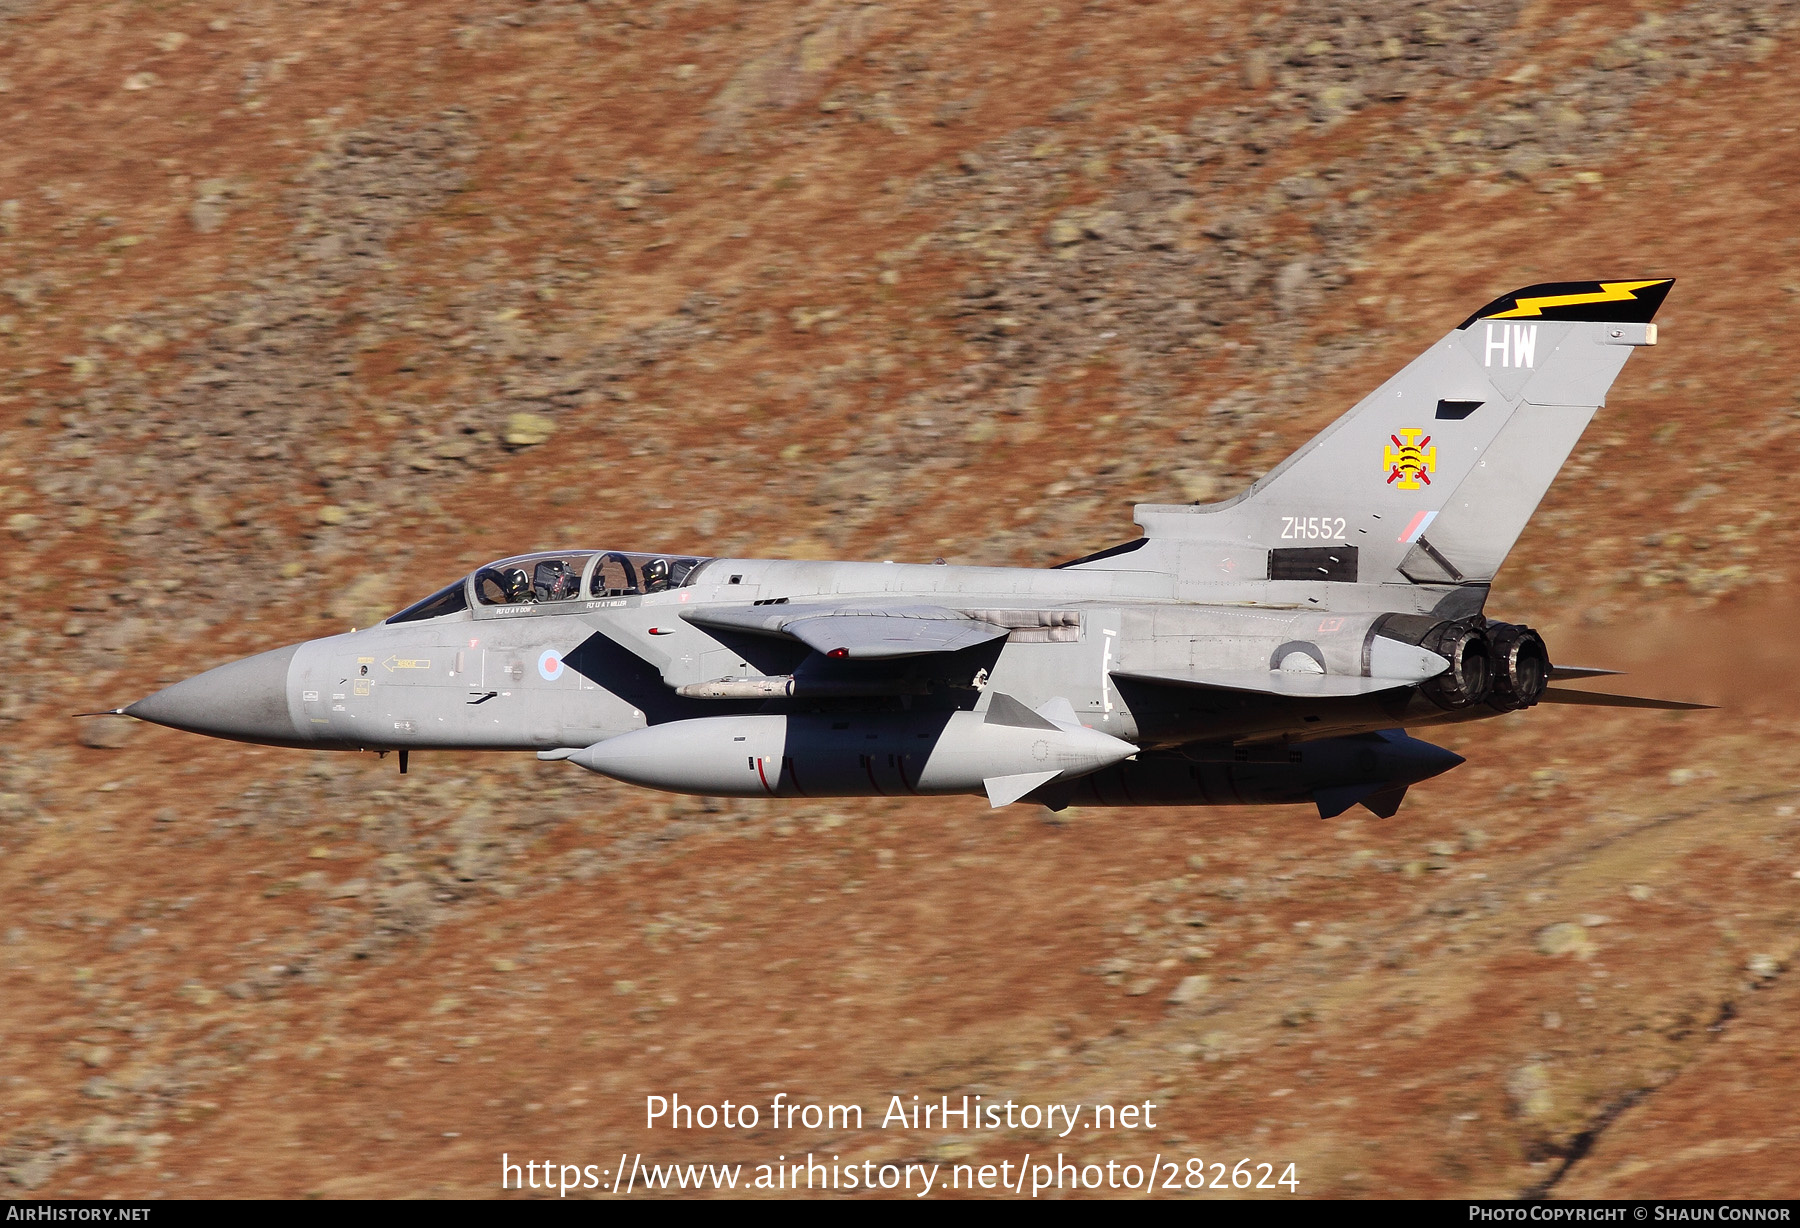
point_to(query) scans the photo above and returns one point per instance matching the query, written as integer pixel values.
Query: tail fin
(1431, 478)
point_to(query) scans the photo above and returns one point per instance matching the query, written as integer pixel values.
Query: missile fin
(1003, 709)
(1005, 790)
(1059, 712)
(1339, 798)
(1385, 804)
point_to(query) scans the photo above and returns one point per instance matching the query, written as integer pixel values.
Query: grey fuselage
(1265, 648)
(560, 675)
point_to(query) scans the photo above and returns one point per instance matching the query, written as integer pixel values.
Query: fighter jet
(1271, 648)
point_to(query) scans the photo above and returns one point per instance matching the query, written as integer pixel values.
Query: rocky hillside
(306, 309)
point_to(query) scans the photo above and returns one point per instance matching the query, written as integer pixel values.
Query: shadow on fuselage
(608, 664)
(946, 688)
(1171, 714)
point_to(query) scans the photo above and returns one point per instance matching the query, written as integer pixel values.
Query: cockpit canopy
(557, 576)
(531, 579)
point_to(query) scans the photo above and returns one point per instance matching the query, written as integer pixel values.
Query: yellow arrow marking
(394, 663)
(1609, 292)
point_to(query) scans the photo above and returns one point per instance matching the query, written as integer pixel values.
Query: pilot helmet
(656, 575)
(516, 584)
(554, 579)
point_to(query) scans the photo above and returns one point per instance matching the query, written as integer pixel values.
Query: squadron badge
(1409, 462)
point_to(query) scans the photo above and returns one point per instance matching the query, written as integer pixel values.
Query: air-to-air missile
(1267, 649)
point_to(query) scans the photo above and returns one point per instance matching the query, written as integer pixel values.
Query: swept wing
(857, 633)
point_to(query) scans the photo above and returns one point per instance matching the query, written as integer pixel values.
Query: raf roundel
(550, 665)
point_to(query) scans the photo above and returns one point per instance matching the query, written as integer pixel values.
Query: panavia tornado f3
(1267, 649)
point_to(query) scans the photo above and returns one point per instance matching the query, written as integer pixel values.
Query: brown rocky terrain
(307, 308)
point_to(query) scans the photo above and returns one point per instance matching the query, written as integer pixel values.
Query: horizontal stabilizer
(1286, 683)
(1599, 699)
(1005, 790)
(1562, 673)
(855, 632)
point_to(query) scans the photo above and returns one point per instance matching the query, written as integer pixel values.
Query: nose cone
(718, 755)
(1094, 750)
(1411, 759)
(1439, 761)
(246, 701)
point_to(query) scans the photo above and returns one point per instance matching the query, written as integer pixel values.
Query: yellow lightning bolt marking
(1609, 292)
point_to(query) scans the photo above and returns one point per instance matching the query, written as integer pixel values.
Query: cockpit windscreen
(447, 600)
